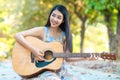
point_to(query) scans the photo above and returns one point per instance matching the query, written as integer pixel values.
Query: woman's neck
(55, 29)
(55, 32)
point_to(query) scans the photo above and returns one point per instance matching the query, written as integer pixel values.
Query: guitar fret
(65, 55)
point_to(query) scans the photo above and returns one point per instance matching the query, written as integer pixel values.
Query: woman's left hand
(93, 57)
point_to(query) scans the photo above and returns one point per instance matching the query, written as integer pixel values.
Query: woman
(57, 28)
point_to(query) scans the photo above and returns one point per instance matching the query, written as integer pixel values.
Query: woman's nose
(55, 19)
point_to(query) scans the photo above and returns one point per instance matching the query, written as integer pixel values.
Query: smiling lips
(54, 22)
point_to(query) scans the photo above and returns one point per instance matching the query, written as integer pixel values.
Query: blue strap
(46, 30)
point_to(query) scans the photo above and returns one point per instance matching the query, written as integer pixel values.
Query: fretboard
(65, 55)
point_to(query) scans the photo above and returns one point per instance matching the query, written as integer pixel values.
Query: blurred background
(95, 24)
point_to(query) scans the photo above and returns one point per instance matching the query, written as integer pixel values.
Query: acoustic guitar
(25, 66)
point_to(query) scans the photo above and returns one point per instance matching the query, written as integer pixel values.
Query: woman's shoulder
(39, 31)
(39, 28)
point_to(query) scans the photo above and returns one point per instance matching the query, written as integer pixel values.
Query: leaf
(1, 19)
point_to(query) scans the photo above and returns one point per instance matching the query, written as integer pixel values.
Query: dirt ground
(86, 70)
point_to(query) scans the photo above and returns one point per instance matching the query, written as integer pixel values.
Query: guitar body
(21, 58)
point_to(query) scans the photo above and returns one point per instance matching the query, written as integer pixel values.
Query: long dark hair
(64, 26)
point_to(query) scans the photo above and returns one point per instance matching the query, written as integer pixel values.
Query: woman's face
(56, 18)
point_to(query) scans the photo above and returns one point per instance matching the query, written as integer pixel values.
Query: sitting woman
(57, 28)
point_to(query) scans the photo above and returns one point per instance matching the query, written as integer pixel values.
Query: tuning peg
(113, 56)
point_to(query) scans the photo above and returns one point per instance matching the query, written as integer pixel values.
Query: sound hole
(48, 55)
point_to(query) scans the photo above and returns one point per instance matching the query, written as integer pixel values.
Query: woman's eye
(53, 15)
(59, 18)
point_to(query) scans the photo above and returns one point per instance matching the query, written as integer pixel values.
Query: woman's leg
(48, 75)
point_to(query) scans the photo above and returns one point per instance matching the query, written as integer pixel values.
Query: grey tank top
(49, 38)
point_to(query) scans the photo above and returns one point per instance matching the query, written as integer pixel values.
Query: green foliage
(6, 40)
(107, 10)
(76, 43)
(1, 19)
(96, 39)
(19, 15)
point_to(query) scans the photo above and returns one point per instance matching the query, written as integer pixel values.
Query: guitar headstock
(109, 56)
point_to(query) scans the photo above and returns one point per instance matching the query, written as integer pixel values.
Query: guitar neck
(66, 55)
(109, 56)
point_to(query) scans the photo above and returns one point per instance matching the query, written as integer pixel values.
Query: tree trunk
(111, 35)
(82, 36)
(112, 40)
(118, 37)
(83, 18)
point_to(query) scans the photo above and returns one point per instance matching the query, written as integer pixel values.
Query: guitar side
(21, 57)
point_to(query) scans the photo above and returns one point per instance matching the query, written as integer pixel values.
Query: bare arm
(37, 32)
(78, 58)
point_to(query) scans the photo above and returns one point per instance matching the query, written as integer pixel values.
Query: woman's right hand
(38, 55)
